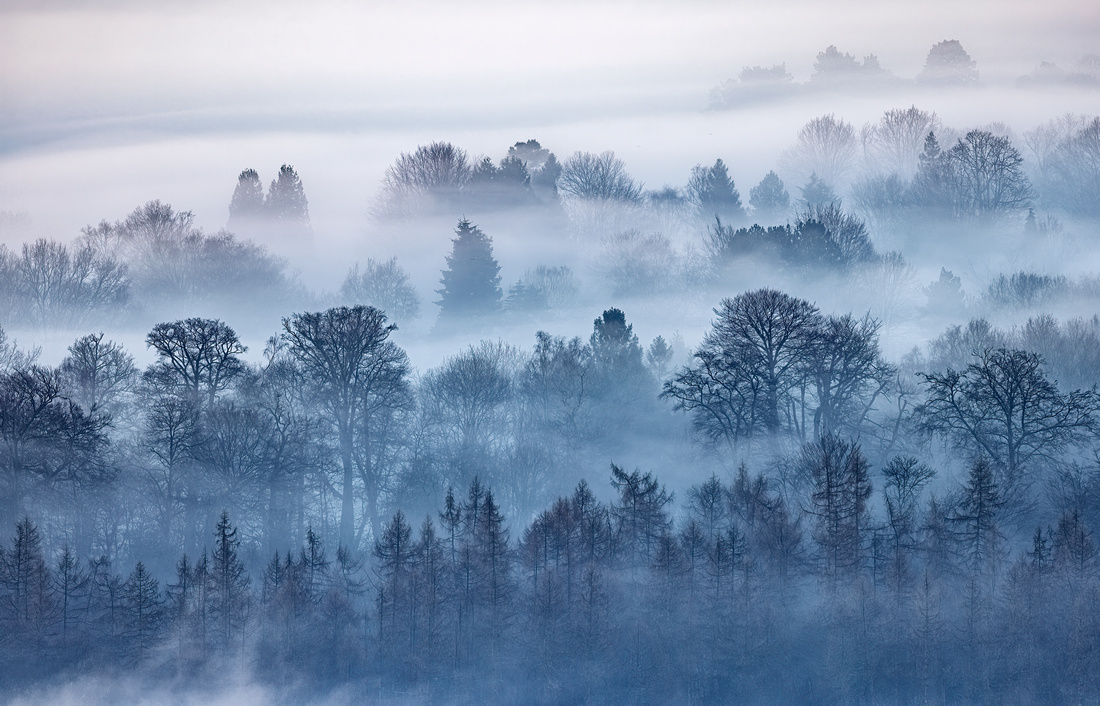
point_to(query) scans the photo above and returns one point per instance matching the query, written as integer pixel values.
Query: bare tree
(56, 286)
(346, 353)
(747, 363)
(466, 402)
(432, 176)
(97, 373)
(826, 146)
(905, 478)
(197, 356)
(598, 177)
(1003, 407)
(987, 175)
(384, 285)
(842, 487)
(893, 144)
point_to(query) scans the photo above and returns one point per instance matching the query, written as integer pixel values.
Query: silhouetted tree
(746, 365)
(430, 178)
(639, 514)
(143, 611)
(905, 478)
(1003, 407)
(197, 357)
(987, 176)
(471, 282)
(345, 353)
(97, 373)
(229, 581)
(842, 487)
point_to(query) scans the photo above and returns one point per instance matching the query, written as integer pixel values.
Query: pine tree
(615, 348)
(492, 560)
(471, 282)
(640, 514)
(180, 599)
(25, 576)
(313, 565)
(545, 180)
(430, 562)
(841, 491)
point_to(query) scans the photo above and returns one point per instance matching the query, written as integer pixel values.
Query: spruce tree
(715, 194)
(471, 282)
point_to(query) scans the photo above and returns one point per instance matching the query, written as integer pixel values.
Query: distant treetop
(949, 63)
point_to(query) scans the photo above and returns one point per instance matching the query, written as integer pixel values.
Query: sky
(106, 105)
(152, 93)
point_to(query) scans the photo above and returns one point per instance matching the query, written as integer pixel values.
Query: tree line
(276, 502)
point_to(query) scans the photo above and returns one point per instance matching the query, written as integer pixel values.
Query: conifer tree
(714, 194)
(228, 577)
(70, 583)
(976, 518)
(144, 610)
(286, 199)
(769, 200)
(471, 282)
(248, 199)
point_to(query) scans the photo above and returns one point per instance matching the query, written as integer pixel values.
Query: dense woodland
(328, 516)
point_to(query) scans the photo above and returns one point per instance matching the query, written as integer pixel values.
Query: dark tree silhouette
(842, 487)
(229, 580)
(987, 176)
(143, 611)
(746, 364)
(345, 353)
(97, 373)
(197, 357)
(1005, 409)
(471, 282)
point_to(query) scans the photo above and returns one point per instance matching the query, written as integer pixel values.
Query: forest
(850, 485)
